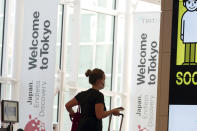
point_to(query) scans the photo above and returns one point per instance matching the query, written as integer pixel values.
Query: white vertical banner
(38, 65)
(145, 70)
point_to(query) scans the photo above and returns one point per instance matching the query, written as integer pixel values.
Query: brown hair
(94, 75)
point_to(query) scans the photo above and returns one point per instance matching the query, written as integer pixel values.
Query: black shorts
(90, 124)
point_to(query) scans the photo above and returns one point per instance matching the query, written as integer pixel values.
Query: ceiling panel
(153, 1)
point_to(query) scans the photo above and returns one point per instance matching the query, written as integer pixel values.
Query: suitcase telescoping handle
(110, 118)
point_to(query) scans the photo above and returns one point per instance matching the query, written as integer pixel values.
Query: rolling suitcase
(110, 118)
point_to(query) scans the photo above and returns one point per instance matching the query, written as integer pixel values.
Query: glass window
(69, 32)
(59, 35)
(108, 82)
(119, 84)
(96, 48)
(2, 5)
(118, 119)
(2, 9)
(1, 17)
(101, 60)
(68, 58)
(96, 42)
(69, 24)
(96, 27)
(105, 28)
(86, 58)
(7, 91)
(109, 4)
(83, 82)
(88, 26)
(58, 61)
(67, 121)
(55, 109)
(108, 107)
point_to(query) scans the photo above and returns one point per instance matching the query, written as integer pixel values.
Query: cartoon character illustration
(140, 129)
(34, 125)
(189, 31)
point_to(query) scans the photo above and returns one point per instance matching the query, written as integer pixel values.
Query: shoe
(186, 63)
(192, 63)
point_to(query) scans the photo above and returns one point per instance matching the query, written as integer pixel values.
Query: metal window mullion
(7, 40)
(94, 43)
(75, 47)
(62, 72)
(60, 67)
(94, 55)
(74, 61)
(100, 10)
(127, 62)
(158, 2)
(17, 49)
(3, 32)
(114, 63)
(7, 81)
(115, 59)
(18, 37)
(5, 16)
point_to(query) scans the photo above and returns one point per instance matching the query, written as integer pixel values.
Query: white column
(75, 47)
(18, 46)
(127, 77)
(18, 36)
(8, 43)
(6, 35)
(74, 62)
(4, 46)
(61, 111)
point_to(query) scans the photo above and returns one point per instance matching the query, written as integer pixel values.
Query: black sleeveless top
(87, 100)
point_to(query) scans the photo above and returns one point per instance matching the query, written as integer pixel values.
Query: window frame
(60, 64)
(114, 74)
(2, 49)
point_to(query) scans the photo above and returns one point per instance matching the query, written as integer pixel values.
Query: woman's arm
(100, 113)
(70, 104)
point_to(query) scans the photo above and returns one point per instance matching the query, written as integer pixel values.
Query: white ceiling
(153, 1)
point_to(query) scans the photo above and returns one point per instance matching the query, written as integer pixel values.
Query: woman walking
(92, 103)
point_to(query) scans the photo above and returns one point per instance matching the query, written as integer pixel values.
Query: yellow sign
(187, 33)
